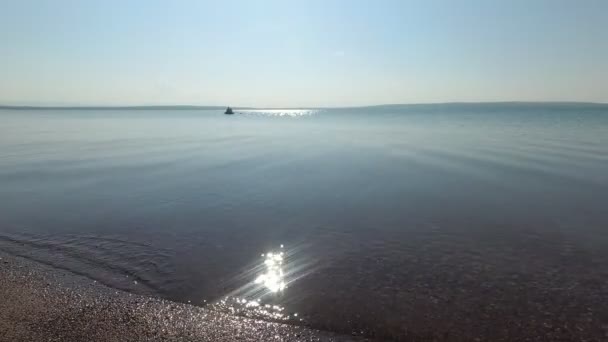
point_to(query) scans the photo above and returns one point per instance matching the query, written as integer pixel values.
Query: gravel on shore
(39, 303)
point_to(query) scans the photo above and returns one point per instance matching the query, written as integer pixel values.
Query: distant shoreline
(185, 107)
(195, 107)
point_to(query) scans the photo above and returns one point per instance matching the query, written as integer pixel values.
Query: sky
(309, 53)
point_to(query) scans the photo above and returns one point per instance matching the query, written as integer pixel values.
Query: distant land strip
(597, 105)
(186, 107)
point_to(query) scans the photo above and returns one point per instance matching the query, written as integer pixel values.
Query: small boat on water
(228, 111)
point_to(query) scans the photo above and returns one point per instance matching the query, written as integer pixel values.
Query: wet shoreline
(44, 304)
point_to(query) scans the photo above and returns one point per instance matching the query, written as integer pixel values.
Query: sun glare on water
(272, 279)
(293, 113)
(260, 297)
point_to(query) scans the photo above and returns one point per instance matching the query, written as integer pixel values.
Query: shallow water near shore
(484, 220)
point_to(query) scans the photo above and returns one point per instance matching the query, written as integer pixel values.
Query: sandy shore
(38, 303)
(41, 303)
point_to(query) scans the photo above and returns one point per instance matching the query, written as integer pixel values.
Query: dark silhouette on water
(228, 111)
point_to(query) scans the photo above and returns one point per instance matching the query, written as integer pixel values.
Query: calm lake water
(395, 221)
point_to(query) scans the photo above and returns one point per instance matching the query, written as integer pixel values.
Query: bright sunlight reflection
(293, 113)
(260, 297)
(272, 279)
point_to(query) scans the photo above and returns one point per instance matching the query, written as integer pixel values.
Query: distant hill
(512, 104)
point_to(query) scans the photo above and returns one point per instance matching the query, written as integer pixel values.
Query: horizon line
(212, 107)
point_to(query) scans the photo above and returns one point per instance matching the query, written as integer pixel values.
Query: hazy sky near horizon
(301, 53)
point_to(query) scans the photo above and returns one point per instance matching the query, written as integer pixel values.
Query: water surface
(394, 221)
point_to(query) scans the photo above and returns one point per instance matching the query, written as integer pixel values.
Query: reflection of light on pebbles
(252, 309)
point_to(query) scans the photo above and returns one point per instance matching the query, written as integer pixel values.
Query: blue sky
(302, 53)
